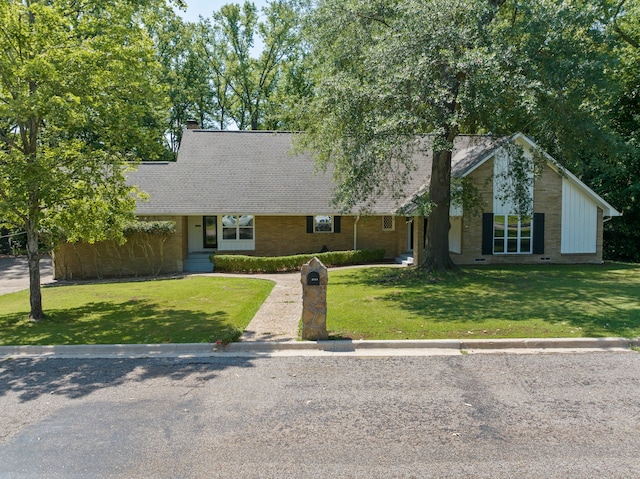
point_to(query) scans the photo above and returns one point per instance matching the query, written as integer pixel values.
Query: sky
(207, 7)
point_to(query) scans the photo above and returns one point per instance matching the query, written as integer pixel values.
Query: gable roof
(524, 140)
(249, 172)
(254, 172)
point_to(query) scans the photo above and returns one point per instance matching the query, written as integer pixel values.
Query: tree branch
(621, 33)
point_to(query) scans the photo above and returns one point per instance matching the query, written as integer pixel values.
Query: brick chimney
(192, 125)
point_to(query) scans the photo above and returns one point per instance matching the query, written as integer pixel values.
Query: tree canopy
(242, 68)
(390, 71)
(78, 100)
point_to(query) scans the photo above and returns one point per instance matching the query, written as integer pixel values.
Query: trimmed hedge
(150, 227)
(231, 263)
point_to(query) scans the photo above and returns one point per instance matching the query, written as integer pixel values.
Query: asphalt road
(14, 273)
(480, 416)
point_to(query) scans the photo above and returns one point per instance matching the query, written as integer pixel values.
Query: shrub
(280, 264)
(158, 228)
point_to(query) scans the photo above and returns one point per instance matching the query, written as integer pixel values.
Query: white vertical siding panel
(455, 235)
(501, 182)
(579, 221)
(455, 210)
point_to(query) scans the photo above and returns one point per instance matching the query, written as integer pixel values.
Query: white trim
(236, 244)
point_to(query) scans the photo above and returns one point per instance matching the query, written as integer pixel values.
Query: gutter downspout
(355, 233)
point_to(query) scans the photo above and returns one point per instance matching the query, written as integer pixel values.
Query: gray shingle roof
(254, 172)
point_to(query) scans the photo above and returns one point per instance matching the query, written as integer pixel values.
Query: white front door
(202, 232)
(195, 233)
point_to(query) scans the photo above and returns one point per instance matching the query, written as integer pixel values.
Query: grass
(369, 303)
(486, 302)
(188, 310)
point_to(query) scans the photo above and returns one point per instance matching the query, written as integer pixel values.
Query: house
(244, 192)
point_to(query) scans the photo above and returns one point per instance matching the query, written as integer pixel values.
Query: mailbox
(313, 278)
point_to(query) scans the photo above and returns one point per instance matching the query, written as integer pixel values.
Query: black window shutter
(336, 224)
(538, 233)
(309, 224)
(487, 233)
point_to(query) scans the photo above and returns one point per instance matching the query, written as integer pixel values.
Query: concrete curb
(549, 343)
(310, 348)
(110, 351)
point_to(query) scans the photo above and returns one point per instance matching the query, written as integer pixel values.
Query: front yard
(189, 310)
(363, 303)
(486, 302)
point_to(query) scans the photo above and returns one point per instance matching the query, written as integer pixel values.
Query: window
(323, 224)
(210, 239)
(388, 223)
(237, 227)
(512, 234)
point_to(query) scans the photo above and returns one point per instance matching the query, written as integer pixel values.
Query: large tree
(185, 55)
(242, 68)
(618, 178)
(391, 71)
(250, 79)
(78, 100)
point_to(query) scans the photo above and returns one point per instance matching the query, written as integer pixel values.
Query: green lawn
(486, 302)
(189, 310)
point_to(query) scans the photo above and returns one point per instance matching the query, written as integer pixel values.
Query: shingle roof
(254, 172)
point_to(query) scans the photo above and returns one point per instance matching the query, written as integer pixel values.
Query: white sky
(207, 7)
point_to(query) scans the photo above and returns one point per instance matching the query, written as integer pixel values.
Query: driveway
(14, 273)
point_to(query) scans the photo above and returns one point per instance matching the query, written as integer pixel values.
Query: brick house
(244, 192)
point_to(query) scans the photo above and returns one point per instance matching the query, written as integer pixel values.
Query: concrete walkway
(278, 317)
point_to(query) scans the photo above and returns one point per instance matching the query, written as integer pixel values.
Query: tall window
(512, 234)
(210, 239)
(237, 227)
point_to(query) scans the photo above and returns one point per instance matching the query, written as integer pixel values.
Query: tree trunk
(33, 258)
(437, 256)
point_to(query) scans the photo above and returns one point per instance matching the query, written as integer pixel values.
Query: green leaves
(78, 99)
(250, 80)
(389, 70)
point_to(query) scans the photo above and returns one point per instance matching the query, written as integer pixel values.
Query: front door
(203, 234)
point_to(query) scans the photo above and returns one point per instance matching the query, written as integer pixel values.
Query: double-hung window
(512, 234)
(237, 227)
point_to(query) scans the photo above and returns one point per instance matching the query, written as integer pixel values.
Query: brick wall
(139, 256)
(287, 235)
(547, 199)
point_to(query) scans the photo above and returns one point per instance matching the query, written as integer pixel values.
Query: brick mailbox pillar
(314, 300)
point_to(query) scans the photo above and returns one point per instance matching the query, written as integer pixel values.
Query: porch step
(198, 263)
(405, 259)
